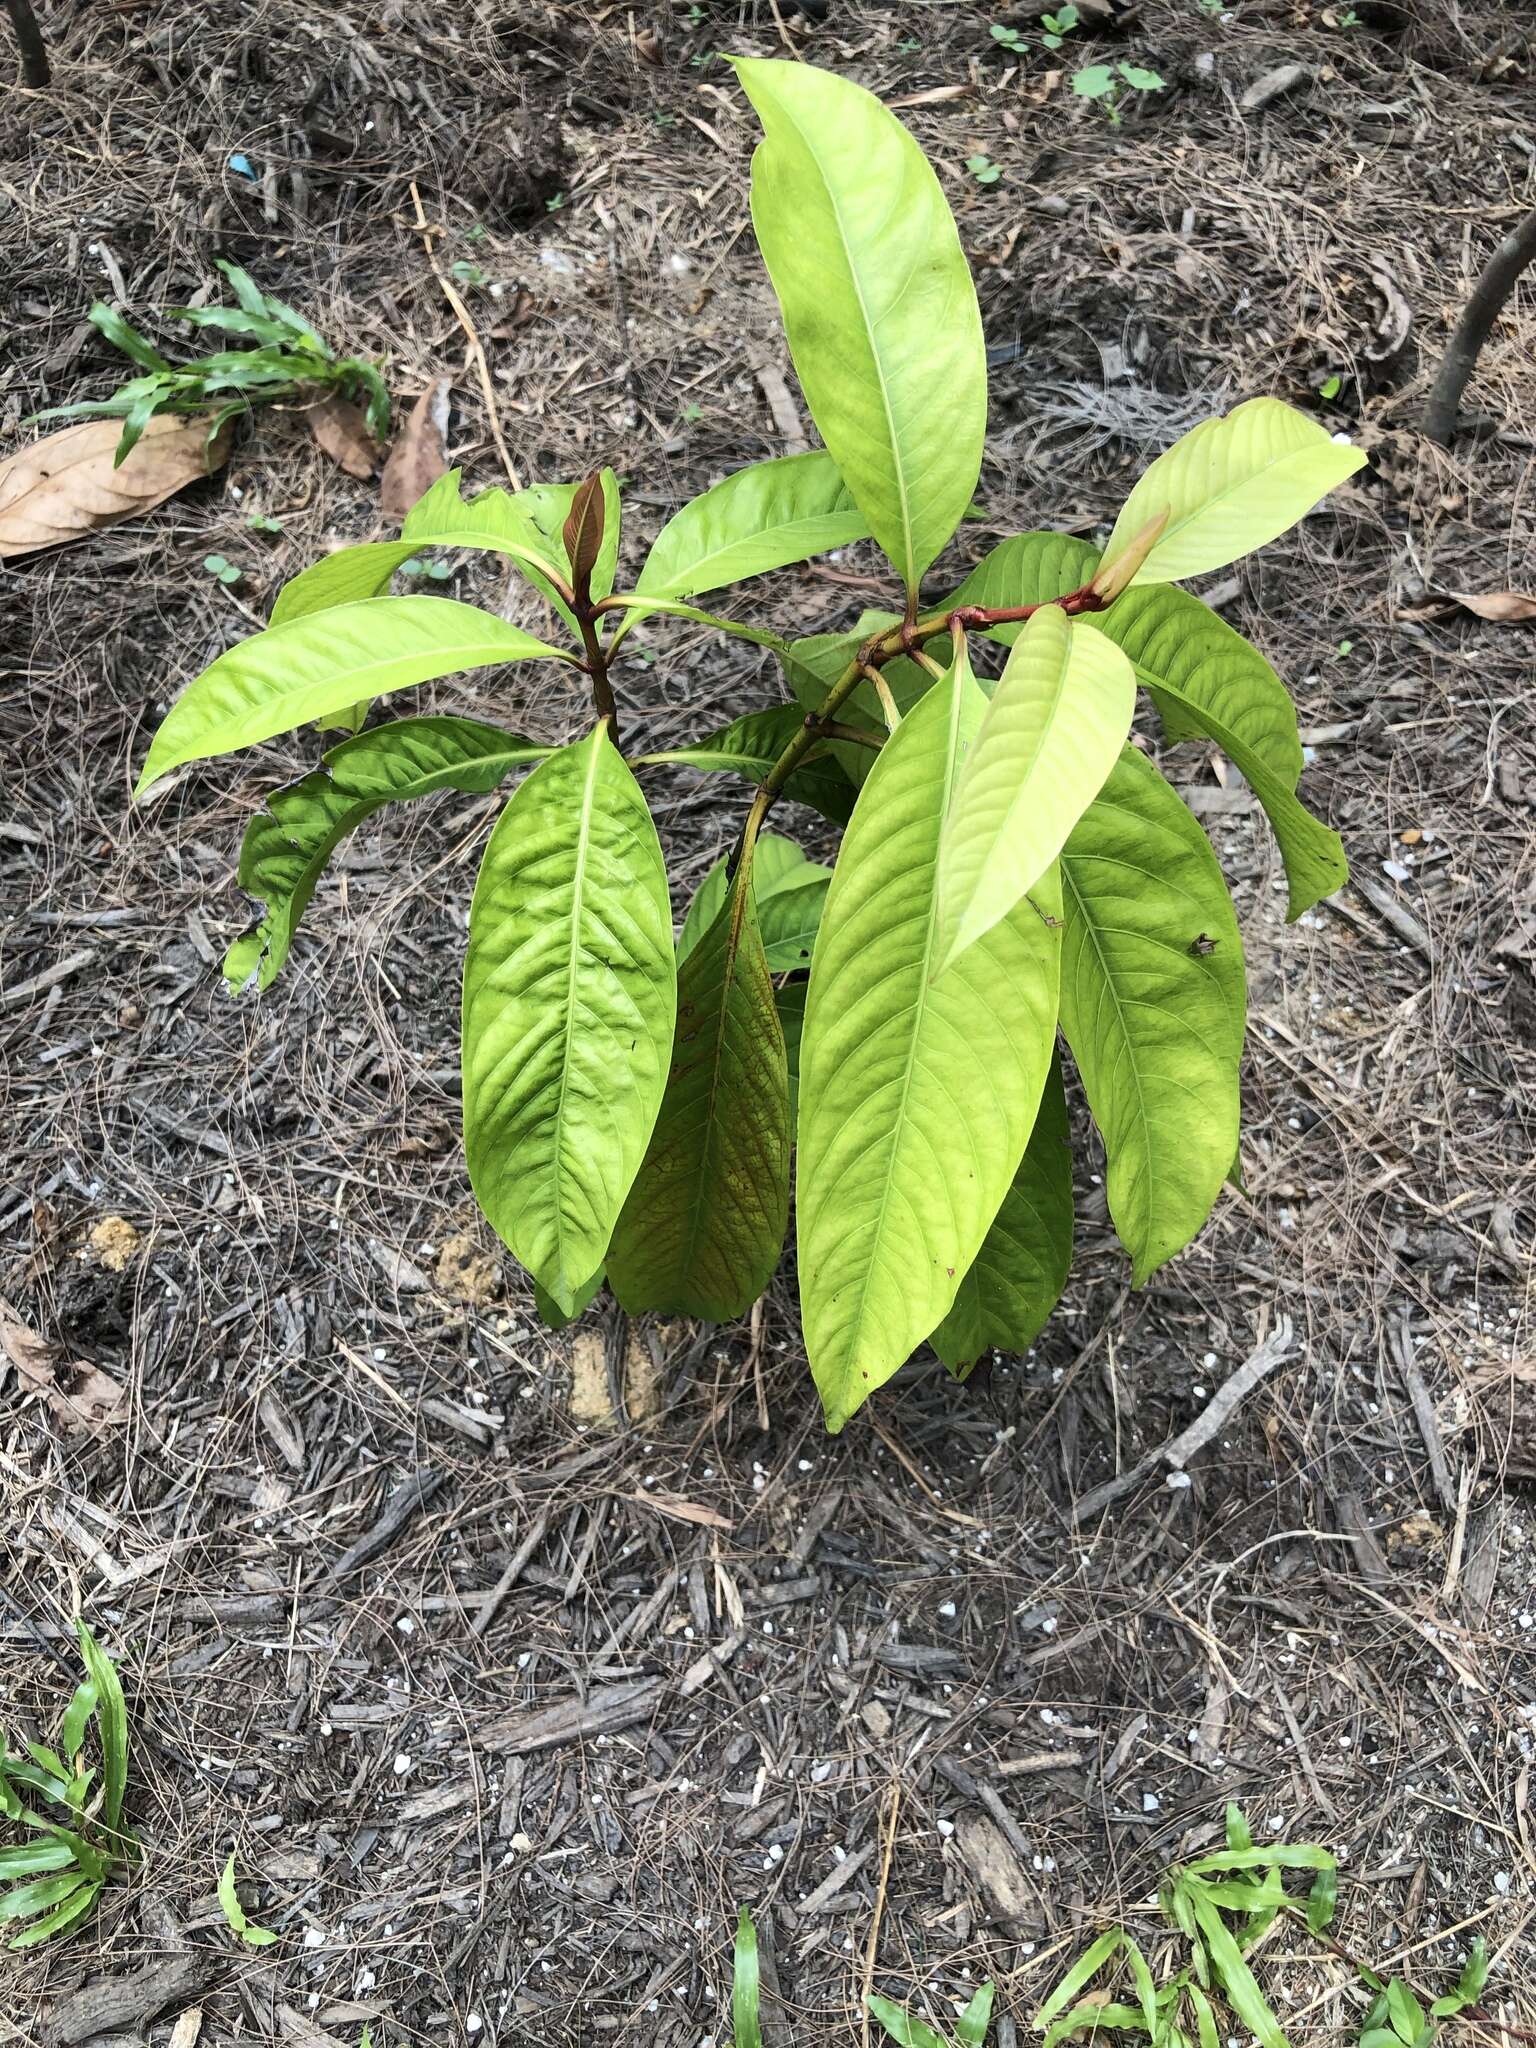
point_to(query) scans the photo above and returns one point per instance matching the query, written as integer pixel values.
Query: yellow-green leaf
(878, 303)
(1051, 734)
(1228, 486)
(753, 520)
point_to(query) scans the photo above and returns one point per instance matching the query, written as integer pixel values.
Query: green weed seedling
(76, 1838)
(289, 361)
(983, 170)
(1009, 38)
(1058, 26)
(899, 2025)
(1397, 2019)
(632, 1105)
(235, 1914)
(1109, 83)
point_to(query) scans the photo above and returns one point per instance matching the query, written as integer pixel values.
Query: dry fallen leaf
(682, 1510)
(418, 457)
(340, 431)
(1504, 607)
(65, 487)
(76, 1395)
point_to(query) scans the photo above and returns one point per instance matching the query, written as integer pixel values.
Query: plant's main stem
(597, 668)
(905, 638)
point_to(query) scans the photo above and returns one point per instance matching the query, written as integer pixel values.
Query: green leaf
(569, 1004)
(72, 1907)
(32, 1859)
(234, 1912)
(1205, 2020)
(111, 1723)
(1230, 485)
(790, 918)
(1093, 81)
(675, 608)
(744, 1985)
(902, 2027)
(752, 521)
(879, 308)
(1380, 2037)
(789, 1000)
(39, 1896)
(295, 673)
(704, 1224)
(1140, 79)
(230, 320)
(553, 1316)
(971, 2027)
(1141, 1977)
(917, 1093)
(1153, 1001)
(1239, 1834)
(1322, 1900)
(1051, 735)
(1015, 1281)
(1203, 677)
(1091, 2019)
(814, 664)
(1407, 2014)
(287, 845)
(109, 322)
(1285, 1855)
(751, 746)
(1237, 1980)
(776, 863)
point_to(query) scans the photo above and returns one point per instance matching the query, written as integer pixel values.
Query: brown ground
(1333, 1623)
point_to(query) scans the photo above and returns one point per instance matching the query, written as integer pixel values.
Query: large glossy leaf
(290, 675)
(569, 1003)
(1228, 486)
(878, 303)
(917, 1093)
(287, 845)
(1015, 1281)
(752, 521)
(751, 746)
(704, 1224)
(1056, 723)
(1152, 1004)
(1203, 677)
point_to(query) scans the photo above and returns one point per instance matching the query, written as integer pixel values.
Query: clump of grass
(289, 360)
(68, 1809)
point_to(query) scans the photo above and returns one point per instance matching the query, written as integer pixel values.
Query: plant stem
(597, 668)
(1489, 297)
(29, 40)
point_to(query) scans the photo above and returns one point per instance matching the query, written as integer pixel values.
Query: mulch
(510, 1664)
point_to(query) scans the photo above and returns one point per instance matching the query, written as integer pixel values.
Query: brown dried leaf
(341, 431)
(78, 1396)
(418, 457)
(683, 1510)
(1504, 607)
(62, 488)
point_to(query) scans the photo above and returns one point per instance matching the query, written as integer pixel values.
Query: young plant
(1058, 26)
(1397, 2019)
(1109, 83)
(289, 361)
(1012, 862)
(235, 1914)
(76, 1837)
(898, 2024)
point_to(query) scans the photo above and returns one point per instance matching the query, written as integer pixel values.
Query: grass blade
(111, 1723)
(1087, 1966)
(744, 1985)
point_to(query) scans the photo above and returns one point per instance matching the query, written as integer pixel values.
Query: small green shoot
(693, 412)
(435, 572)
(908, 2032)
(234, 1912)
(63, 1870)
(746, 2032)
(465, 272)
(263, 522)
(554, 202)
(289, 360)
(1331, 386)
(220, 567)
(1110, 83)
(1008, 38)
(983, 170)
(1397, 2019)
(1058, 26)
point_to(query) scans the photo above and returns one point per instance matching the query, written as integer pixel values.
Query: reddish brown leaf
(341, 431)
(65, 487)
(418, 457)
(1504, 607)
(583, 534)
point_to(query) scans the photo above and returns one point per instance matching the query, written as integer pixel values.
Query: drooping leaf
(917, 1093)
(879, 308)
(71, 1906)
(704, 1224)
(1230, 485)
(553, 1316)
(751, 746)
(1203, 677)
(1153, 1001)
(494, 521)
(1051, 735)
(1236, 1979)
(678, 608)
(569, 1005)
(295, 673)
(1006, 1297)
(754, 520)
(287, 845)
(34, 1859)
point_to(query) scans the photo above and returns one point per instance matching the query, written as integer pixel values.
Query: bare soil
(506, 1700)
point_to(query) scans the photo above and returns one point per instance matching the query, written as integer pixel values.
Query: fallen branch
(1212, 1419)
(1489, 297)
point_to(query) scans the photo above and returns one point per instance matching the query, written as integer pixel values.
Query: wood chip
(1272, 85)
(66, 487)
(605, 1710)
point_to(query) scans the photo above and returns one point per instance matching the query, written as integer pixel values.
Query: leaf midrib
(568, 1027)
